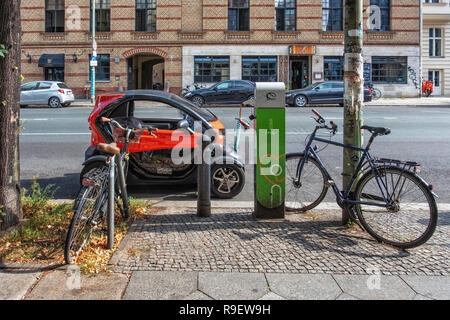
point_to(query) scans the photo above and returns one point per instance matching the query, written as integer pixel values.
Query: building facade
(174, 43)
(436, 45)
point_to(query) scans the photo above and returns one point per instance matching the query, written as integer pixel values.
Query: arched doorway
(145, 68)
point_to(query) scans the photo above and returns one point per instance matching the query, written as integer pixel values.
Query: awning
(51, 60)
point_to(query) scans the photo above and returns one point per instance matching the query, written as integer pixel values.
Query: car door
(338, 92)
(43, 92)
(322, 93)
(26, 93)
(152, 157)
(222, 93)
(240, 91)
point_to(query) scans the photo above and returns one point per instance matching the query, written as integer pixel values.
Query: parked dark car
(327, 92)
(225, 92)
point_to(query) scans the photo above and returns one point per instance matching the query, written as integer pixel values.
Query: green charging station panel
(270, 173)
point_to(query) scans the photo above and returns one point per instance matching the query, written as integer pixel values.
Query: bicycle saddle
(108, 148)
(379, 131)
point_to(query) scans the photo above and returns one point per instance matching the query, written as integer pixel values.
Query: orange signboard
(302, 50)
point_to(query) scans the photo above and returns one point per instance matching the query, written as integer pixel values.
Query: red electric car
(178, 124)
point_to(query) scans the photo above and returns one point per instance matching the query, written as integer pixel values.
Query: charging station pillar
(270, 164)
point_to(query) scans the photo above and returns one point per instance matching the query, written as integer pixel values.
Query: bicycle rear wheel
(89, 208)
(312, 187)
(410, 217)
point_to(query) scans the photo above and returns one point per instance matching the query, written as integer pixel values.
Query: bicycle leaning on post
(94, 206)
(390, 200)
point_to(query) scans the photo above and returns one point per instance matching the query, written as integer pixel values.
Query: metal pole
(94, 50)
(111, 194)
(354, 88)
(204, 179)
(123, 185)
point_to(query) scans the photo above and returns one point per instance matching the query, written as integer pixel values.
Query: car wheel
(23, 106)
(227, 180)
(251, 97)
(198, 100)
(54, 102)
(300, 101)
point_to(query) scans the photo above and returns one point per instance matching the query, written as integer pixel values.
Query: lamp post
(93, 61)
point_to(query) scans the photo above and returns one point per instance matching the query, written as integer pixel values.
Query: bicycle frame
(365, 158)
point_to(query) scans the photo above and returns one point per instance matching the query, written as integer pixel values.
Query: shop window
(54, 74)
(285, 11)
(146, 15)
(238, 15)
(259, 69)
(102, 71)
(211, 69)
(333, 68)
(54, 16)
(389, 70)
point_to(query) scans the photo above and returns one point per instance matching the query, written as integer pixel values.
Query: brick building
(179, 42)
(436, 45)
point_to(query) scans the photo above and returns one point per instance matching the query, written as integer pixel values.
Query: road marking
(34, 119)
(390, 118)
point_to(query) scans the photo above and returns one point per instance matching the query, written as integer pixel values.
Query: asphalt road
(54, 140)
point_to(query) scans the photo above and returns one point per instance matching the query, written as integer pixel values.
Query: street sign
(94, 63)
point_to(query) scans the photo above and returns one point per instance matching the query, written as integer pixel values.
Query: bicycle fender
(95, 159)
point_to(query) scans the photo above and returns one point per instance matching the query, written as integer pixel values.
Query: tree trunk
(10, 74)
(354, 89)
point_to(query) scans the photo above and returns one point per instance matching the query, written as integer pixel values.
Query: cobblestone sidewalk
(231, 240)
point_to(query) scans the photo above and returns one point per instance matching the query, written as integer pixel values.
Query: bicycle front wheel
(311, 189)
(409, 216)
(91, 201)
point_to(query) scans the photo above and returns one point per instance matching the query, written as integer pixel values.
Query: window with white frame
(435, 42)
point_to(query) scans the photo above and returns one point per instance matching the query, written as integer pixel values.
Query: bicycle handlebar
(108, 120)
(320, 120)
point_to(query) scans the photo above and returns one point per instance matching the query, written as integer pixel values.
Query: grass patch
(41, 237)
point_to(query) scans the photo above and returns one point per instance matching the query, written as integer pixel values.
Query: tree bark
(354, 89)
(10, 74)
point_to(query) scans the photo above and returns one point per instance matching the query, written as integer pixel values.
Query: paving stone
(233, 286)
(431, 287)
(14, 284)
(346, 296)
(304, 286)
(161, 285)
(197, 295)
(362, 287)
(232, 240)
(63, 285)
(272, 296)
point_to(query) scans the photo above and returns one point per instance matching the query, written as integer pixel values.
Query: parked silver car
(54, 93)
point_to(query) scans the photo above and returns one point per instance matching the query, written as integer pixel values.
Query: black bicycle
(385, 197)
(94, 206)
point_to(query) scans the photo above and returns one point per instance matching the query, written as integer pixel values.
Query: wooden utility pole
(354, 88)
(10, 78)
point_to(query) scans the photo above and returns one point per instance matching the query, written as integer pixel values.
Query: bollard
(204, 179)
(271, 156)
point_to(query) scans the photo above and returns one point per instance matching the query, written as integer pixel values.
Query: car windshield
(205, 113)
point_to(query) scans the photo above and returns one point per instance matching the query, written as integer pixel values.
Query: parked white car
(53, 93)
